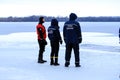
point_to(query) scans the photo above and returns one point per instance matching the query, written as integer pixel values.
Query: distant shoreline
(60, 19)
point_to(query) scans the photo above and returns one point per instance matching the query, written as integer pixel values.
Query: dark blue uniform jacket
(72, 31)
(54, 34)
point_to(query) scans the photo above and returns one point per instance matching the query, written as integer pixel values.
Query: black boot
(40, 58)
(67, 63)
(56, 62)
(52, 61)
(40, 61)
(44, 60)
(77, 65)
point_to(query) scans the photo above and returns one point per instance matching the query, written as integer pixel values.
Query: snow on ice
(99, 56)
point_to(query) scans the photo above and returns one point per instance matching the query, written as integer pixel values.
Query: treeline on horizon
(60, 19)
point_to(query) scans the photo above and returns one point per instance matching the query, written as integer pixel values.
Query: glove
(80, 40)
(61, 42)
(44, 42)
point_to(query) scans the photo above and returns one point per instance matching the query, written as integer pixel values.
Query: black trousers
(41, 50)
(54, 50)
(69, 48)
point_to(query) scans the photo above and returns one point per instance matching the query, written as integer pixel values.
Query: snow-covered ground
(99, 54)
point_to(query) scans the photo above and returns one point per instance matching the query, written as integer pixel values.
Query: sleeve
(40, 33)
(119, 32)
(79, 33)
(64, 30)
(58, 32)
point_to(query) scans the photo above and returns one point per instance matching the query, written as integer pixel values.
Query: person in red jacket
(41, 33)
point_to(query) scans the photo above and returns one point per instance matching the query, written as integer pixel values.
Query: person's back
(53, 33)
(54, 37)
(72, 37)
(72, 32)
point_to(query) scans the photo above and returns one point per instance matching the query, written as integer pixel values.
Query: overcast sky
(20, 8)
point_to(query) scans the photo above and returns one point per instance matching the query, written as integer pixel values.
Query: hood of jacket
(54, 22)
(73, 16)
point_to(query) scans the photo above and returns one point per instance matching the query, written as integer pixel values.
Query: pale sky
(83, 8)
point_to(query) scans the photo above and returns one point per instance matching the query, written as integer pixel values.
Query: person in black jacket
(55, 38)
(72, 37)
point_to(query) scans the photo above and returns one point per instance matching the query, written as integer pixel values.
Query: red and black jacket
(41, 32)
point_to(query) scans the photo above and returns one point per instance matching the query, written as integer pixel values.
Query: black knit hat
(41, 20)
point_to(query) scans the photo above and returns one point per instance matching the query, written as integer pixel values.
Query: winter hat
(41, 20)
(73, 16)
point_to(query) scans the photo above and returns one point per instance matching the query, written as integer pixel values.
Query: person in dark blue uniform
(72, 37)
(55, 38)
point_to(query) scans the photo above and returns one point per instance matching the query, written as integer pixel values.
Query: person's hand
(43, 41)
(80, 40)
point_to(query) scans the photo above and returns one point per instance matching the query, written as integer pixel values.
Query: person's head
(72, 16)
(54, 22)
(41, 20)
